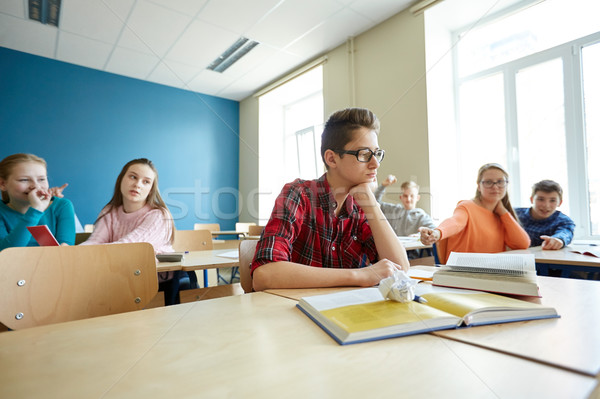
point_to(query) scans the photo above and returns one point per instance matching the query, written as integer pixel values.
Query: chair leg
(235, 272)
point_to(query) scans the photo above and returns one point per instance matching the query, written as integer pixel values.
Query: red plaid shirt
(304, 229)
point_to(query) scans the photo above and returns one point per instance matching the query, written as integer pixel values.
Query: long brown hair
(505, 199)
(154, 199)
(8, 163)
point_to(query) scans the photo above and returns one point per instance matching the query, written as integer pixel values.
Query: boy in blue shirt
(545, 225)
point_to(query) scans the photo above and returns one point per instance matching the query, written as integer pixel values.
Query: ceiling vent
(236, 51)
(45, 11)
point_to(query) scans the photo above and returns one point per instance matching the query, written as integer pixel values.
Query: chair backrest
(243, 227)
(207, 226)
(247, 249)
(192, 240)
(45, 285)
(81, 237)
(255, 230)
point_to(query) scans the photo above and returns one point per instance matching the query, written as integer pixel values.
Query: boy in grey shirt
(404, 218)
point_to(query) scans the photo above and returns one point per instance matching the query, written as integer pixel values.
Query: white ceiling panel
(291, 20)
(164, 75)
(183, 72)
(201, 44)
(210, 81)
(153, 29)
(13, 7)
(93, 18)
(82, 51)
(326, 36)
(187, 7)
(27, 36)
(171, 42)
(258, 56)
(267, 71)
(131, 63)
(380, 10)
(243, 15)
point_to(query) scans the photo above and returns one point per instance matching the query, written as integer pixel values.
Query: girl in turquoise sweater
(27, 201)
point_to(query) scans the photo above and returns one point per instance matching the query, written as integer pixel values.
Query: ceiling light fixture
(237, 50)
(45, 11)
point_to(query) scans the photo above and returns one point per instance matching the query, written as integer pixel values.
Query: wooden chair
(192, 240)
(243, 227)
(247, 249)
(255, 230)
(81, 237)
(45, 285)
(207, 226)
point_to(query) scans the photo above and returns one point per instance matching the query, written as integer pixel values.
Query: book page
(501, 263)
(382, 314)
(464, 302)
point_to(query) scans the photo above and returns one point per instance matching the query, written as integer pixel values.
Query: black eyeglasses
(490, 183)
(364, 154)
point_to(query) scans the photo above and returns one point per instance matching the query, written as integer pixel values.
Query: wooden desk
(201, 260)
(256, 346)
(412, 243)
(563, 259)
(228, 233)
(570, 342)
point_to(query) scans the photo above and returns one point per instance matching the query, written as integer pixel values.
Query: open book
(503, 273)
(364, 315)
(589, 250)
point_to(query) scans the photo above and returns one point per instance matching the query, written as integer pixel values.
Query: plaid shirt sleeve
(283, 227)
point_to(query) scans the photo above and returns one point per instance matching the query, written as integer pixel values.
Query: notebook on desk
(43, 236)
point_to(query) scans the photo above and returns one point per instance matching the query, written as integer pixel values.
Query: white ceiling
(171, 42)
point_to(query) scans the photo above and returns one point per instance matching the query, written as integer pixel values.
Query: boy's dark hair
(340, 126)
(547, 186)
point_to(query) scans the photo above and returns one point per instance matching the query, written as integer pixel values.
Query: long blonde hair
(8, 163)
(505, 199)
(154, 199)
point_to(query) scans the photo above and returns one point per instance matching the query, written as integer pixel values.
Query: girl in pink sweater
(136, 213)
(485, 224)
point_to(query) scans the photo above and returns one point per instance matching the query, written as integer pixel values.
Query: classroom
(90, 110)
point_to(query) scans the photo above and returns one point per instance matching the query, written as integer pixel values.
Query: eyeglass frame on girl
(371, 154)
(489, 183)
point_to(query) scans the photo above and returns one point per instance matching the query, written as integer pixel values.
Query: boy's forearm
(293, 275)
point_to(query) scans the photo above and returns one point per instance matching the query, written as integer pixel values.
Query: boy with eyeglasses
(546, 225)
(330, 231)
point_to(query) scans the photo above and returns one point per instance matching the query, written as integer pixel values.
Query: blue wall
(87, 124)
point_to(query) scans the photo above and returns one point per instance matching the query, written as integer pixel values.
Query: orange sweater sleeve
(515, 237)
(454, 224)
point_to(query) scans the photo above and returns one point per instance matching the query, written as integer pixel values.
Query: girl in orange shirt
(487, 223)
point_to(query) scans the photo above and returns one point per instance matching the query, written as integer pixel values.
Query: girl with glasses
(486, 224)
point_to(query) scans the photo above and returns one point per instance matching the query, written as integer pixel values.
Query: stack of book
(502, 273)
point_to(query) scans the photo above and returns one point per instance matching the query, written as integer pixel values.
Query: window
(524, 92)
(290, 125)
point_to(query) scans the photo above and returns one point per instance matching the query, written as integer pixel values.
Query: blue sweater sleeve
(564, 229)
(13, 226)
(60, 218)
